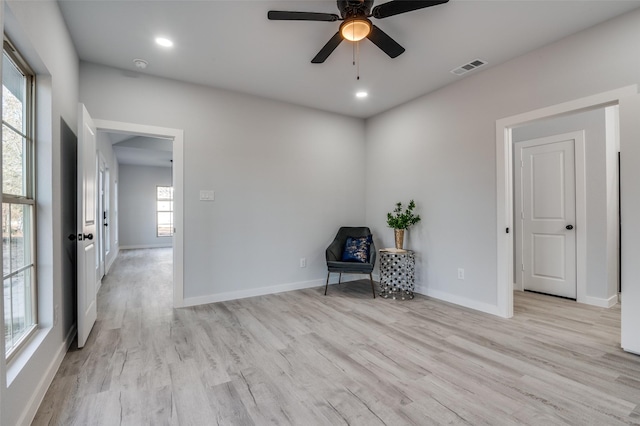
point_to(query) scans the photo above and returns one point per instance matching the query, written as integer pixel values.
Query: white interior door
(548, 215)
(87, 283)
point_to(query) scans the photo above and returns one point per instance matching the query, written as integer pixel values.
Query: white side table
(397, 273)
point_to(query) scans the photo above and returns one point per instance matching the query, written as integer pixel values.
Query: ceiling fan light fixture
(355, 29)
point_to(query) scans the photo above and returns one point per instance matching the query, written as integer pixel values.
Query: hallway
(122, 360)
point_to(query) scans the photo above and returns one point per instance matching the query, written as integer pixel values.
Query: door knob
(106, 224)
(569, 227)
(85, 237)
(72, 237)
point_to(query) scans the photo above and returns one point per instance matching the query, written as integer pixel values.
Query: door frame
(504, 180)
(178, 185)
(101, 178)
(581, 211)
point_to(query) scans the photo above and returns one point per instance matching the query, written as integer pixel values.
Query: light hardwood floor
(302, 358)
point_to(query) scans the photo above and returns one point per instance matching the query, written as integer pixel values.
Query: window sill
(20, 359)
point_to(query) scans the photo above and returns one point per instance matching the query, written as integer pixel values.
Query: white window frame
(29, 172)
(158, 199)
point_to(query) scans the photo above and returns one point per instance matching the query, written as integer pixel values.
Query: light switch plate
(207, 195)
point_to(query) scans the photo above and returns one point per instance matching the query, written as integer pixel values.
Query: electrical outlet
(303, 262)
(461, 273)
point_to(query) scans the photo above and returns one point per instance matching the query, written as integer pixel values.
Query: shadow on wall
(68, 180)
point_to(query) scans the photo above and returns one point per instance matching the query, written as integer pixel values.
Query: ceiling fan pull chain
(357, 60)
(353, 53)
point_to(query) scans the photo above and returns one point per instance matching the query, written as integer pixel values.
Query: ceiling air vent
(468, 67)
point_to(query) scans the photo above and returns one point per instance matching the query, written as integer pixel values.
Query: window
(164, 211)
(18, 200)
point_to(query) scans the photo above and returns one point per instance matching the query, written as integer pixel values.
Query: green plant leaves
(400, 219)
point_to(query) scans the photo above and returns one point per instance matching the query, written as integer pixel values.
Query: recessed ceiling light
(164, 42)
(361, 95)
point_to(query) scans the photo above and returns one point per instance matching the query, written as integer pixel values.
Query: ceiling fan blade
(278, 15)
(402, 6)
(384, 42)
(328, 48)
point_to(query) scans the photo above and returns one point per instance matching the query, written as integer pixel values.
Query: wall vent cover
(476, 63)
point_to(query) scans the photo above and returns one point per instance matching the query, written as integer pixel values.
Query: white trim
(458, 300)
(31, 409)
(100, 207)
(242, 294)
(333, 278)
(504, 167)
(581, 216)
(631, 352)
(600, 302)
(116, 251)
(178, 192)
(274, 289)
(146, 246)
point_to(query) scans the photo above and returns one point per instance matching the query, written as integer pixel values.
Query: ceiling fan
(356, 24)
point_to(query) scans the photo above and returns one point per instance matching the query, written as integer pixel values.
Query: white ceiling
(231, 44)
(141, 150)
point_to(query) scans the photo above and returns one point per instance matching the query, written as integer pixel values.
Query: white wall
(106, 149)
(38, 30)
(440, 150)
(600, 286)
(137, 201)
(285, 178)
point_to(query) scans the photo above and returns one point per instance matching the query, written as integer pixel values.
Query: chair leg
(340, 278)
(373, 289)
(327, 285)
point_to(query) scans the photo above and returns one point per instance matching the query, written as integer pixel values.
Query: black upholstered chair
(334, 256)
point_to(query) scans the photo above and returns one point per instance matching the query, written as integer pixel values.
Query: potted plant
(401, 219)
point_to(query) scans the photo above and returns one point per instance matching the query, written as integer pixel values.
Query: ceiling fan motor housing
(356, 25)
(351, 8)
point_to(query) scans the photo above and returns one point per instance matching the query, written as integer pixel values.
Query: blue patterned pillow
(356, 249)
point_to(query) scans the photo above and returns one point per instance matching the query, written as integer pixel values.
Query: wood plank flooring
(301, 358)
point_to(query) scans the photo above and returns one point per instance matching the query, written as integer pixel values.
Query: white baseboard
(333, 278)
(112, 260)
(146, 246)
(38, 395)
(242, 294)
(70, 336)
(631, 352)
(600, 302)
(280, 288)
(458, 300)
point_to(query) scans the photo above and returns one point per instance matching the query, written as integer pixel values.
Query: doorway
(545, 226)
(176, 136)
(504, 183)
